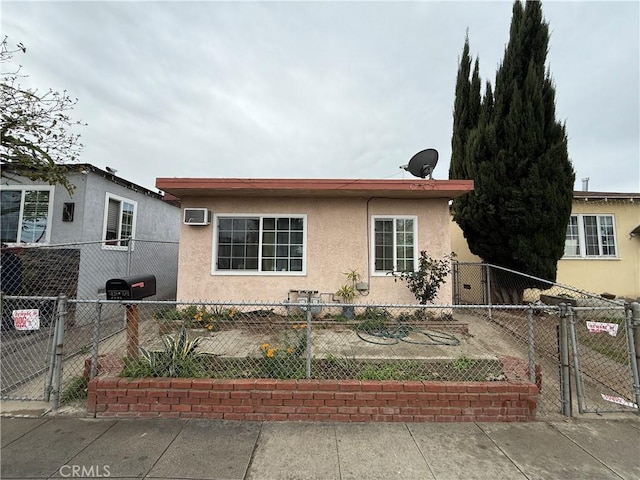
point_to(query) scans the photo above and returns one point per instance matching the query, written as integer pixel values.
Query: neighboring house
(267, 239)
(602, 246)
(104, 209)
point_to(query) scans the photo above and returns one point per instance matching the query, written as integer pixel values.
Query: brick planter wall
(314, 400)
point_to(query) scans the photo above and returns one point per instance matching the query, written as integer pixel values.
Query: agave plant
(178, 354)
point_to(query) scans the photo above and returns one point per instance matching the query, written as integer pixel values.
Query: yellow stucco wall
(620, 276)
(338, 240)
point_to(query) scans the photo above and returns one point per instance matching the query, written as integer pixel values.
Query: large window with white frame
(590, 236)
(394, 243)
(26, 213)
(119, 221)
(265, 244)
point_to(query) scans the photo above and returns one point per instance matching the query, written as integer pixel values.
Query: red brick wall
(314, 400)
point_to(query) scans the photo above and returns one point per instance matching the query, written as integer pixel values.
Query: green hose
(400, 332)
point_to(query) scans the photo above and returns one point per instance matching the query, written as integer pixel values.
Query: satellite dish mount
(422, 163)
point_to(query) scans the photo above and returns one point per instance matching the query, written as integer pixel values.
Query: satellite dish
(423, 163)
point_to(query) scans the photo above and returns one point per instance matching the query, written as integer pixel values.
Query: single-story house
(602, 245)
(244, 239)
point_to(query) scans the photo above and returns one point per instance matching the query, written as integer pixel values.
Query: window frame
(372, 253)
(23, 189)
(121, 244)
(582, 238)
(258, 271)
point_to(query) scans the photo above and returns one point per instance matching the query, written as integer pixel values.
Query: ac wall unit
(197, 216)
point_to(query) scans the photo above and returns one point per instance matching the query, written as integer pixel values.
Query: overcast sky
(316, 89)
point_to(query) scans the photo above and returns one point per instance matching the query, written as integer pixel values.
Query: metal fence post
(633, 337)
(488, 284)
(96, 342)
(563, 346)
(576, 359)
(309, 316)
(531, 346)
(59, 336)
(129, 248)
(52, 357)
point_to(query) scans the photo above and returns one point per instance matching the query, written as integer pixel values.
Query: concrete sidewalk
(71, 447)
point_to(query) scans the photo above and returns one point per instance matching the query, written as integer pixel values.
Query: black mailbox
(135, 287)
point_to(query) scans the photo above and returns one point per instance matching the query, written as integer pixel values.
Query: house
(602, 246)
(268, 240)
(94, 224)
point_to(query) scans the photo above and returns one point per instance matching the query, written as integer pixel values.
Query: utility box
(135, 287)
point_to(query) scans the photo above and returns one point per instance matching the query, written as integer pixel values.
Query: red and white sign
(599, 327)
(26, 319)
(618, 400)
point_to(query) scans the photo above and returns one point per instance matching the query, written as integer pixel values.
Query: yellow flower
(210, 327)
(232, 312)
(290, 350)
(303, 325)
(294, 326)
(270, 352)
(265, 346)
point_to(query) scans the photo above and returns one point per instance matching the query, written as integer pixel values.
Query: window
(119, 221)
(394, 244)
(264, 244)
(590, 236)
(25, 214)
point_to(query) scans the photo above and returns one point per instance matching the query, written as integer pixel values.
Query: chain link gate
(604, 358)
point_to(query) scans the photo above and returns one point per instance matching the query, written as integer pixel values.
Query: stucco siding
(619, 275)
(338, 239)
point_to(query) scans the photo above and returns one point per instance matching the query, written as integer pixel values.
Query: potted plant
(348, 292)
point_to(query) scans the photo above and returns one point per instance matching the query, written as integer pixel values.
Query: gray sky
(316, 89)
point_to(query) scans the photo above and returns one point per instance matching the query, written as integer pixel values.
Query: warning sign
(26, 319)
(618, 400)
(597, 327)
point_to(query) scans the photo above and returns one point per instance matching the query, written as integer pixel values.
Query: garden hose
(400, 332)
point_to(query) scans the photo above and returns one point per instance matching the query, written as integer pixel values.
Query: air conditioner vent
(197, 216)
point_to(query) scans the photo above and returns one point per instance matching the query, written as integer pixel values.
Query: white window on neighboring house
(26, 214)
(590, 236)
(266, 244)
(394, 244)
(119, 221)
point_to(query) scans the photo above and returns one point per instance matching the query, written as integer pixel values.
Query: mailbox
(135, 287)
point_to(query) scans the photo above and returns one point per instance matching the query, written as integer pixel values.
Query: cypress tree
(517, 155)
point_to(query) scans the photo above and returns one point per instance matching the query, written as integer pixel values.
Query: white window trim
(214, 252)
(25, 188)
(372, 253)
(582, 239)
(120, 199)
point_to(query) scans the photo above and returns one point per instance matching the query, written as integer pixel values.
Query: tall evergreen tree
(516, 153)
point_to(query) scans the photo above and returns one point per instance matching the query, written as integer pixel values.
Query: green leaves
(425, 282)
(178, 359)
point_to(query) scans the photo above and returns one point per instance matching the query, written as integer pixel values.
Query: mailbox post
(136, 287)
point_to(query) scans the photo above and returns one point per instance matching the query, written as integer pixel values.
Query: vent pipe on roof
(585, 184)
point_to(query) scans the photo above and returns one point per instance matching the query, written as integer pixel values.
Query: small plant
(348, 291)
(425, 282)
(283, 359)
(178, 359)
(463, 363)
(76, 390)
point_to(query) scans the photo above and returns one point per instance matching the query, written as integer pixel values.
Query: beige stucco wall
(338, 233)
(620, 276)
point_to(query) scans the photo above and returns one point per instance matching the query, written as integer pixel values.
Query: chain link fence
(80, 270)
(599, 330)
(578, 348)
